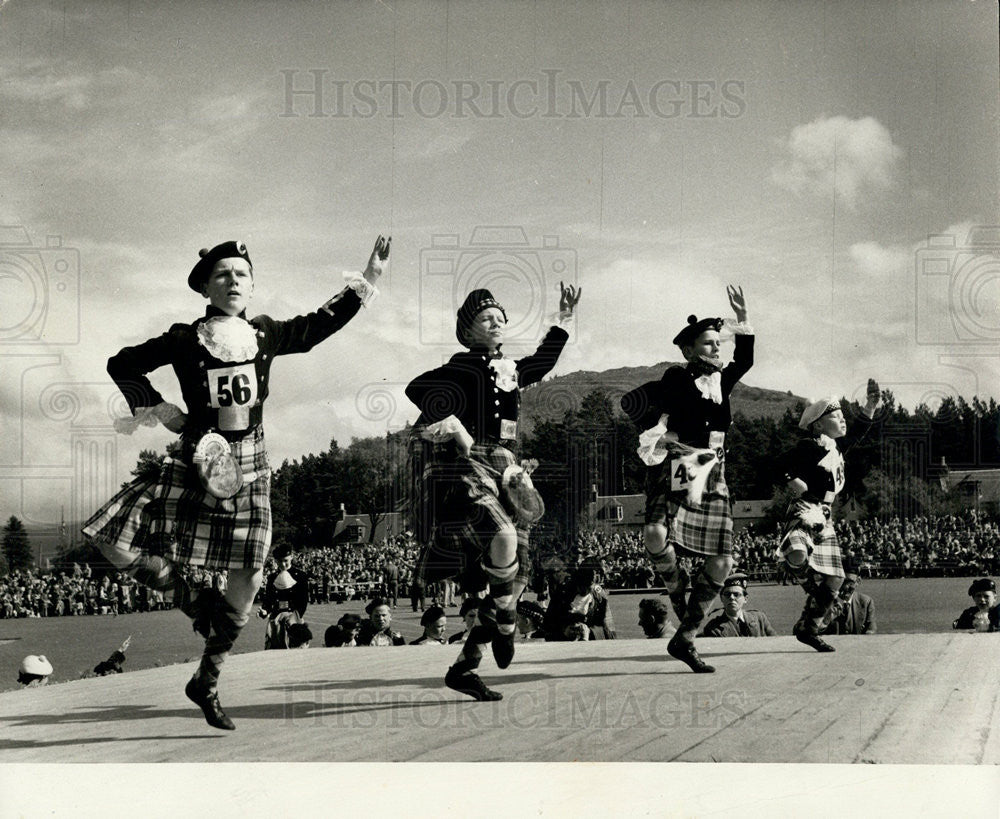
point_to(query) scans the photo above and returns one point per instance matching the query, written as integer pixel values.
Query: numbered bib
(232, 391)
(833, 462)
(678, 475)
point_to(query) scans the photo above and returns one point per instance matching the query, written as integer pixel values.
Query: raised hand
(874, 397)
(379, 259)
(737, 301)
(569, 297)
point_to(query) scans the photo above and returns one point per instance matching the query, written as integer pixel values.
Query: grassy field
(74, 645)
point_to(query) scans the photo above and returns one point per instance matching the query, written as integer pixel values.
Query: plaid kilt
(704, 528)
(823, 547)
(172, 515)
(462, 510)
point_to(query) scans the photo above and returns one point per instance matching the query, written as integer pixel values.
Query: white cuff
(563, 318)
(166, 412)
(366, 291)
(871, 414)
(144, 417)
(736, 328)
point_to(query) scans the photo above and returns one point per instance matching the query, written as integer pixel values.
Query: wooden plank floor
(931, 698)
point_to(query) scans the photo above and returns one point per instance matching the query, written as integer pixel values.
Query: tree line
(892, 469)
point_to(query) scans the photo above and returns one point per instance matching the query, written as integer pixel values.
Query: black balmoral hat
(475, 302)
(227, 250)
(695, 328)
(981, 585)
(736, 579)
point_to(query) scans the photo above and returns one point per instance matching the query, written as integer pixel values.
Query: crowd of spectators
(920, 546)
(27, 593)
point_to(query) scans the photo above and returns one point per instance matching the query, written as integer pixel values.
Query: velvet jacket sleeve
(128, 368)
(741, 363)
(302, 333)
(440, 392)
(535, 367)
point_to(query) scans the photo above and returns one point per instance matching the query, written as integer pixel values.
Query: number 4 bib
(232, 391)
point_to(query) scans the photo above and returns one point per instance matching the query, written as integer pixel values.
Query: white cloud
(872, 259)
(42, 82)
(846, 157)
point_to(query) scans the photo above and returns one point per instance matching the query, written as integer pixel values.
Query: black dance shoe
(208, 701)
(470, 684)
(804, 635)
(687, 653)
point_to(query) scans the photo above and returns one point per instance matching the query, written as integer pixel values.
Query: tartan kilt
(823, 547)
(704, 528)
(174, 517)
(464, 509)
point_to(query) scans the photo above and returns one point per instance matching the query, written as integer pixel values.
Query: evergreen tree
(16, 547)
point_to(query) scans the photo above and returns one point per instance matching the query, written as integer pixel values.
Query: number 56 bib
(232, 391)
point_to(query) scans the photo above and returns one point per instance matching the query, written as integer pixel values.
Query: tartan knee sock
(818, 605)
(472, 652)
(677, 583)
(803, 575)
(227, 624)
(704, 590)
(502, 593)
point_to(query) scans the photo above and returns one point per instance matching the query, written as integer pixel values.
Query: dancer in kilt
(474, 504)
(210, 504)
(284, 600)
(814, 472)
(685, 416)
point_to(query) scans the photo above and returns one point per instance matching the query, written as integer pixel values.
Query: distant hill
(551, 399)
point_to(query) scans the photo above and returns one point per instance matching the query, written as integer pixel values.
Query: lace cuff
(144, 417)
(366, 291)
(730, 327)
(562, 318)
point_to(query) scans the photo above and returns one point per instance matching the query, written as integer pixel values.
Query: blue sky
(803, 150)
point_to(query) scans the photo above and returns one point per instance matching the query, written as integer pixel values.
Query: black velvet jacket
(691, 415)
(208, 383)
(470, 389)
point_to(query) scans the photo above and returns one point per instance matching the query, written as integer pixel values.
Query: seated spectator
(530, 617)
(351, 624)
(299, 635)
(336, 637)
(114, 663)
(375, 631)
(578, 607)
(468, 612)
(853, 612)
(434, 622)
(985, 615)
(284, 599)
(736, 620)
(34, 671)
(654, 619)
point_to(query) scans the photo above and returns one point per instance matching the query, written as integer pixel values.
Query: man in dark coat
(736, 620)
(853, 612)
(985, 615)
